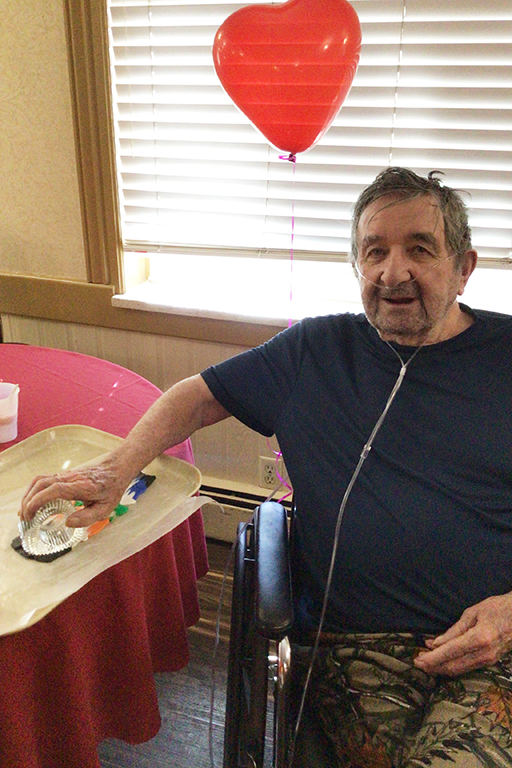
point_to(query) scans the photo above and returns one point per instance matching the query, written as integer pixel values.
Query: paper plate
(30, 589)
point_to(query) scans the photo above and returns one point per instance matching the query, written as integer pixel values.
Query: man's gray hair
(404, 184)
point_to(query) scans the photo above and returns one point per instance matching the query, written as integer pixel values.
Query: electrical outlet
(268, 472)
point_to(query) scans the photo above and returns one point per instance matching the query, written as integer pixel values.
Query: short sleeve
(255, 385)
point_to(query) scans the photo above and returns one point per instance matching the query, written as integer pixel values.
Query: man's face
(408, 281)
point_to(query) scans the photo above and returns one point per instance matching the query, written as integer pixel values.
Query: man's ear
(467, 268)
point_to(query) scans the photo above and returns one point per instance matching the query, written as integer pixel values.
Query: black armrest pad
(273, 591)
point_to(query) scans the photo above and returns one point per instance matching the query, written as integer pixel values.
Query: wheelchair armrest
(273, 590)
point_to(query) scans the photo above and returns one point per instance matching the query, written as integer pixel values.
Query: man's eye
(420, 250)
(375, 254)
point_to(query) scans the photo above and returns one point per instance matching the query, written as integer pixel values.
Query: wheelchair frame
(259, 649)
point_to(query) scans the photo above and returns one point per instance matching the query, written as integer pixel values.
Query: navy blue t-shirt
(427, 530)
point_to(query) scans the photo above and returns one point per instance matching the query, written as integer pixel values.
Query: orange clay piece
(97, 527)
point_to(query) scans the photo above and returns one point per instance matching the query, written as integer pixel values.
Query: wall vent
(237, 506)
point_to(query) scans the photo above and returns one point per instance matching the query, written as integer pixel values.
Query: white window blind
(433, 91)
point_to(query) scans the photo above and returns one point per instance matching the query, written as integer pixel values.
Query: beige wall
(41, 234)
(228, 451)
(40, 221)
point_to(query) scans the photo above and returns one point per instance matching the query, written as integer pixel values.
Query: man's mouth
(398, 300)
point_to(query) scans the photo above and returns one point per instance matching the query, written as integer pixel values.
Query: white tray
(30, 589)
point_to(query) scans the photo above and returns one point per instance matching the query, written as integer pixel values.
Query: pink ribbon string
(292, 159)
(283, 481)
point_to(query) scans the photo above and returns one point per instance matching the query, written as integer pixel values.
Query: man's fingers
(451, 649)
(480, 638)
(461, 654)
(84, 517)
(452, 668)
(37, 485)
(459, 629)
(87, 485)
(43, 492)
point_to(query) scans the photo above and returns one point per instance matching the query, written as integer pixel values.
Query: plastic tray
(30, 589)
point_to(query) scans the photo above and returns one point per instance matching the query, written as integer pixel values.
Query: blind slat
(190, 162)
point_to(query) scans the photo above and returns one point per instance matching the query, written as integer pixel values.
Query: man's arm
(179, 412)
(480, 638)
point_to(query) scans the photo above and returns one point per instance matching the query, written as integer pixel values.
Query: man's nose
(396, 268)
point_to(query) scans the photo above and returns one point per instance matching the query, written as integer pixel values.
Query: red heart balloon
(289, 67)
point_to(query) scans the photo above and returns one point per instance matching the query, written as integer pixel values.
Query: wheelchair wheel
(247, 689)
(282, 725)
(259, 650)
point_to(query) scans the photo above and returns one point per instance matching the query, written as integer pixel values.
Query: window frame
(90, 81)
(86, 23)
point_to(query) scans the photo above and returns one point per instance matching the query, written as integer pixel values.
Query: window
(197, 179)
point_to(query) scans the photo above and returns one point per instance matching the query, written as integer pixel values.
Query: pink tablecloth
(85, 671)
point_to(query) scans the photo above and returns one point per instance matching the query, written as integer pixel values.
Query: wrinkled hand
(99, 488)
(480, 638)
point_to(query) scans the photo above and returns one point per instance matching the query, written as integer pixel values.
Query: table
(85, 671)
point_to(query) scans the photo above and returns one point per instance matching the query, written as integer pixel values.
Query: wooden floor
(185, 696)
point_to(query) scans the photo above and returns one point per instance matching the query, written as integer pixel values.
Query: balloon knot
(291, 157)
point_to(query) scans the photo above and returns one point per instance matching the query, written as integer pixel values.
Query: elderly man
(395, 429)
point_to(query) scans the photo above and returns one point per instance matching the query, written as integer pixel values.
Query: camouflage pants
(369, 707)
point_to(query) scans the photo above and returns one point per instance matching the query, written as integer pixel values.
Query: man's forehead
(406, 211)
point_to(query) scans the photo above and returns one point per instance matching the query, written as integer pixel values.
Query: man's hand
(187, 406)
(100, 488)
(480, 638)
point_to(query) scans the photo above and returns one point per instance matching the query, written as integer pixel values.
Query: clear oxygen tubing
(399, 288)
(362, 458)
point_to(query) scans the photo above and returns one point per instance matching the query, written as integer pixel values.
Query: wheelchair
(259, 647)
